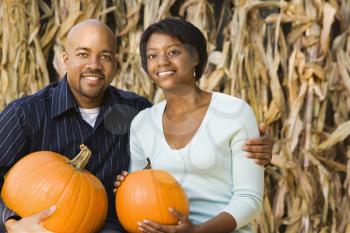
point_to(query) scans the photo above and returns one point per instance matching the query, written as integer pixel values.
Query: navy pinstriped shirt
(50, 120)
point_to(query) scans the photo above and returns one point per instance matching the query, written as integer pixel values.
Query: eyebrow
(87, 49)
(82, 48)
(175, 44)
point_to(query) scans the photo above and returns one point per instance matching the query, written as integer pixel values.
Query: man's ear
(116, 61)
(65, 59)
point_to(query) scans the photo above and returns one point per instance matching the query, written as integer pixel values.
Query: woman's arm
(138, 159)
(247, 176)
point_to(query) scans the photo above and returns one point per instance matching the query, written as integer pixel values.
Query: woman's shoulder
(149, 113)
(229, 103)
(231, 110)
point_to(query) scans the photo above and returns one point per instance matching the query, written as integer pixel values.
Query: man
(80, 109)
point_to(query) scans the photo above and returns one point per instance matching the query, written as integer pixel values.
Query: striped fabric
(50, 120)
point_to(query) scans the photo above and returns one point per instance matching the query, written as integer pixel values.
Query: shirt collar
(63, 100)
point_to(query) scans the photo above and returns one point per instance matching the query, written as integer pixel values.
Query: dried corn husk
(290, 60)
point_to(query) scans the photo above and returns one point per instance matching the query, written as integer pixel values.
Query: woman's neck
(184, 100)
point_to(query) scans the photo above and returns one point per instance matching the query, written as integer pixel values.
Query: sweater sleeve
(138, 159)
(248, 177)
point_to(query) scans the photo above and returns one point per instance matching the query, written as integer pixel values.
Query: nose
(163, 59)
(94, 63)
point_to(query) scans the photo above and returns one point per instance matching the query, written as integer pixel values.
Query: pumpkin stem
(81, 159)
(148, 166)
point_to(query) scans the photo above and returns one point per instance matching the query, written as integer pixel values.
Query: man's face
(90, 62)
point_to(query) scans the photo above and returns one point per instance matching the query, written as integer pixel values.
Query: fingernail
(145, 221)
(52, 208)
(171, 209)
(139, 224)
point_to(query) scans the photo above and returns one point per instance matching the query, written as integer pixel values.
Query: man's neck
(87, 103)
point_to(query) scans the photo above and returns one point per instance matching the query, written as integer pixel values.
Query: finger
(45, 213)
(125, 173)
(120, 177)
(259, 156)
(257, 149)
(149, 226)
(177, 214)
(117, 184)
(263, 140)
(262, 128)
(261, 162)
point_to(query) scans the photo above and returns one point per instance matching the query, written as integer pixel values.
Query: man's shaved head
(93, 25)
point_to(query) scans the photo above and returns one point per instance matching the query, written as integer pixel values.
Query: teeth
(165, 73)
(92, 78)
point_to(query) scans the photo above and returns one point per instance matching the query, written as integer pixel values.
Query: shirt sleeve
(138, 159)
(5, 214)
(248, 177)
(13, 145)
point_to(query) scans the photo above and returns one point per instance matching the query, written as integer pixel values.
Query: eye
(174, 52)
(82, 55)
(106, 57)
(151, 56)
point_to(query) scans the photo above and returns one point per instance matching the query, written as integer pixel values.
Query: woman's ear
(195, 58)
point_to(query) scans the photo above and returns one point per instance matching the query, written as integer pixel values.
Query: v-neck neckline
(195, 135)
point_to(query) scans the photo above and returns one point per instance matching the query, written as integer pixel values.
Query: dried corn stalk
(289, 59)
(23, 65)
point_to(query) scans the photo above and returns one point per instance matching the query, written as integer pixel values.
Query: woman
(195, 135)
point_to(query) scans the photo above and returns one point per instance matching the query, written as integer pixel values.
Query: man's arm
(5, 213)
(13, 145)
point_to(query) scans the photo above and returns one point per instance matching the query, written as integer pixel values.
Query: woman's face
(169, 63)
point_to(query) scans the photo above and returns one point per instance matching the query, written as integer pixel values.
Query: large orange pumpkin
(147, 194)
(42, 179)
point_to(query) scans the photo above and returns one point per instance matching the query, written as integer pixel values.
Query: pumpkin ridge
(98, 217)
(60, 201)
(64, 171)
(47, 161)
(161, 213)
(103, 206)
(68, 222)
(84, 221)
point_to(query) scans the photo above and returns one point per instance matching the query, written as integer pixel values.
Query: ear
(195, 59)
(116, 62)
(65, 59)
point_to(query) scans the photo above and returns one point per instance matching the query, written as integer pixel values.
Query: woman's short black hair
(185, 32)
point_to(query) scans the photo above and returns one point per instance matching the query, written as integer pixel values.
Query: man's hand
(260, 149)
(30, 224)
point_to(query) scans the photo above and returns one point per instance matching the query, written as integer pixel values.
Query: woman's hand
(260, 149)
(184, 225)
(119, 179)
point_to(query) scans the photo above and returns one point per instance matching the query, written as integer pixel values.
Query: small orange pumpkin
(147, 194)
(42, 179)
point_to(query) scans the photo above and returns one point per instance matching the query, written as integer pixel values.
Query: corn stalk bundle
(290, 60)
(21, 44)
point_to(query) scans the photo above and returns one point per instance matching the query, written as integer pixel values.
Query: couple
(195, 135)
